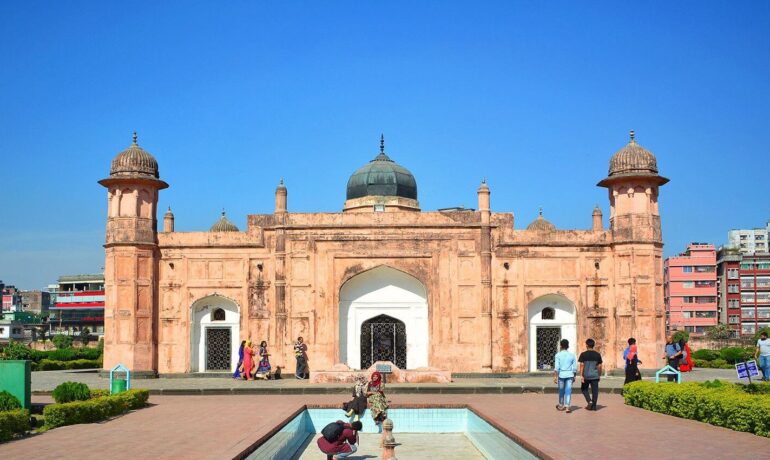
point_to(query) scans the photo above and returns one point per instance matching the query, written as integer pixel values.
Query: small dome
(540, 224)
(633, 159)
(134, 161)
(382, 177)
(224, 225)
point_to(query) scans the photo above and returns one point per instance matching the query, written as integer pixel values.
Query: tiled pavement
(198, 427)
(45, 382)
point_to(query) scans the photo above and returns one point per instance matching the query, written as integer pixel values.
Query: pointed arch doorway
(383, 313)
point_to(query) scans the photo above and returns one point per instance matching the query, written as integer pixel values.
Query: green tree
(719, 332)
(85, 336)
(765, 329)
(62, 341)
(678, 335)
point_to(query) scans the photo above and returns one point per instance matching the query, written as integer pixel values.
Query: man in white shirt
(762, 354)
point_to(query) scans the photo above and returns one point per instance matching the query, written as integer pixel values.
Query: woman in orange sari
(248, 361)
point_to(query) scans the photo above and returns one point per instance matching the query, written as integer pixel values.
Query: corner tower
(633, 183)
(131, 260)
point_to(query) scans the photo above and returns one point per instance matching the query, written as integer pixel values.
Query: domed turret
(541, 224)
(633, 160)
(382, 181)
(223, 225)
(134, 162)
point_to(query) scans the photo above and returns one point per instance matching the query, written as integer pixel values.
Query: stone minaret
(597, 219)
(637, 307)
(131, 261)
(486, 273)
(168, 221)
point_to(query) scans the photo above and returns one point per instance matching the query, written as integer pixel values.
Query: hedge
(94, 410)
(725, 405)
(705, 354)
(51, 365)
(13, 421)
(715, 364)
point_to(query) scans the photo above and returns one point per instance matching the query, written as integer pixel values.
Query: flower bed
(94, 410)
(735, 406)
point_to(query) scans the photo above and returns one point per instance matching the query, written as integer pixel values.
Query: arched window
(218, 315)
(547, 313)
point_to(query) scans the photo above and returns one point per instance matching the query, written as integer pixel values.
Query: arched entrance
(389, 308)
(214, 334)
(383, 339)
(551, 318)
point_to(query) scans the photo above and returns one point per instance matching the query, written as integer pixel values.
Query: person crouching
(339, 439)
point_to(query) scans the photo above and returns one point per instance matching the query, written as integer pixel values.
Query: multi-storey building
(754, 292)
(690, 289)
(35, 302)
(749, 241)
(79, 304)
(11, 298)
(729, 288)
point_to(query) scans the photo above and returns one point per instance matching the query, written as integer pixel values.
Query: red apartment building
(690, 289)
(754, 271)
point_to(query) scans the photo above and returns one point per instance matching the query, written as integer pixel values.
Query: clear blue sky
(231, 97)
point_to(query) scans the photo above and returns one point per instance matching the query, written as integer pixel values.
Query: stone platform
(341, 373)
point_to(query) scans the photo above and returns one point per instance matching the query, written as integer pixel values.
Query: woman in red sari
(248, 360)
(685, 364)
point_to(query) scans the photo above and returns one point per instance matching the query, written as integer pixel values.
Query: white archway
(384, 291)
(215, 320)
(550, 316)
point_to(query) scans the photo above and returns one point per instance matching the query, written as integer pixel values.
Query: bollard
(388, 441)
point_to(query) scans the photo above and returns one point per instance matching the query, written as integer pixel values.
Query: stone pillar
(131, 261)
(597, 219)
(281, 315)
(168, 221)
(388, 441)
(486, 274)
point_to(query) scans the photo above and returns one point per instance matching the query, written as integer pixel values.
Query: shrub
(94, 410)
(721, 364)
(729, 406)
(8, 401)
(719, 332)
(62, 354)
(17, 350)
(736, 354)
(85, 336)
(51, 365)
(708, 355)
(99, 392)
(11, 422)
(678, 335)
(62, 341)
(71, 391)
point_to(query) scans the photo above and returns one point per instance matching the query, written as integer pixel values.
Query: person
(564, 375)
(590, 372)
(632, 365)
(631, 341)
(673, 355)
(239, 367)
(345, 445)
(378, 405)
(356, 407)
(762, 354)
(248, 361)
(300, 352)
(263, 366)
(685, 362)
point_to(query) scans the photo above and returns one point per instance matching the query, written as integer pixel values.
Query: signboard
(384, 368)
(747, 370)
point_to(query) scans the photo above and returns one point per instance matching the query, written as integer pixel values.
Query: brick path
(201, 427)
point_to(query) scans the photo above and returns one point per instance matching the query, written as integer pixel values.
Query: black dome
(382, 177)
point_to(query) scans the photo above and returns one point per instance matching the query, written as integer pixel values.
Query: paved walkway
(45, 382)
(221, 427)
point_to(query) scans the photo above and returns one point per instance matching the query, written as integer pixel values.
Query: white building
(749, 241)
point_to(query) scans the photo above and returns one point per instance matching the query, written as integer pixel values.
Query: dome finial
(632, 134)
(382, 143)
(541, 211)
(134, 141)
(223, 212)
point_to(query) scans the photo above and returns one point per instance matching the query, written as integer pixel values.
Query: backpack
(332, 431)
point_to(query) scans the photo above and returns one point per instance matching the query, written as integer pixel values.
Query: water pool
(460, 426)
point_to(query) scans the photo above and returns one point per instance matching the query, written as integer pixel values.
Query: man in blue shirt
(631, 341)
(564, 374)
(673, 354)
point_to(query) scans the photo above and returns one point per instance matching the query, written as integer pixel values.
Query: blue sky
(231, 97)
